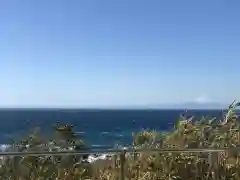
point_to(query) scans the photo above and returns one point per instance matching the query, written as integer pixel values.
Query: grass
(187, 133)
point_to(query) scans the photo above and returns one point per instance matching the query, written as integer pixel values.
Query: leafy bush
(187, 133)
(46, 167)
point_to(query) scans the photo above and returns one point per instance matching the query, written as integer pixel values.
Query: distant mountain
(192, 105)
(187, 105)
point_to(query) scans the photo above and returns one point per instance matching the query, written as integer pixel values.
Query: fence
(120, 154)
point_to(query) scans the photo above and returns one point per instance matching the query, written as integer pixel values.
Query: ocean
(99, 128)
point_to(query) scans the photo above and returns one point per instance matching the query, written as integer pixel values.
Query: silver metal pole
(55, 153)
(14, 166)
(122, 165)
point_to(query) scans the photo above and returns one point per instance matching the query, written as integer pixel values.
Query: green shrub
(204, 133)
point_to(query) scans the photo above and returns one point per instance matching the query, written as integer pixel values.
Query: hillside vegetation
(187, 133)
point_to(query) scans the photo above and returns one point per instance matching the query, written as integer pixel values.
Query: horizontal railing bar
(115, 151)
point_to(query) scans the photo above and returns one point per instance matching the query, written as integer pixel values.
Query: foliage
(187, 133)
(46, 167)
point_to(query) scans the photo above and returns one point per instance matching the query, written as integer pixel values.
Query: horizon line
(108, 108)
(180, 106)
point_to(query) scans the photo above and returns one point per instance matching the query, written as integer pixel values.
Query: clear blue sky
(94, 53)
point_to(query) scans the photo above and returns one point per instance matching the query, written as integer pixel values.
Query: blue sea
(99, 128)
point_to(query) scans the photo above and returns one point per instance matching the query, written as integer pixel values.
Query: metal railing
(117, 152)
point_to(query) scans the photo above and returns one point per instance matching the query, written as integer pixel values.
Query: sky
(92, 53)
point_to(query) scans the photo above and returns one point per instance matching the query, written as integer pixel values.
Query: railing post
(122, 165)
(14, 164)
(115, 161)
(214, 163)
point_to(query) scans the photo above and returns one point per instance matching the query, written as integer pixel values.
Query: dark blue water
(97, 127)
